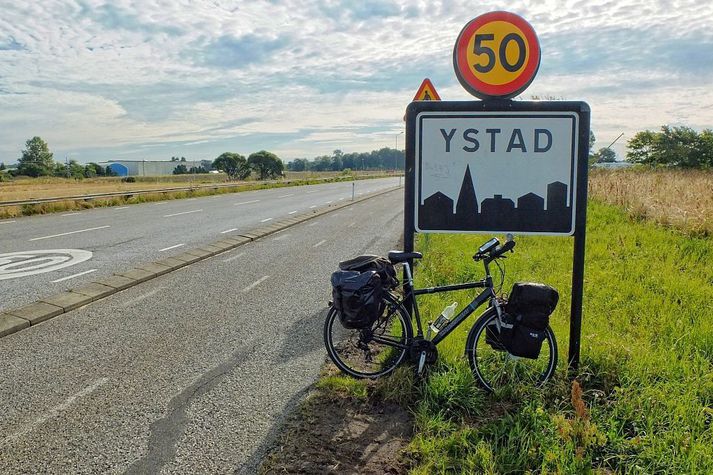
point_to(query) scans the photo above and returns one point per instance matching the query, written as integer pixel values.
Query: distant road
(190, 372)
(113, 239)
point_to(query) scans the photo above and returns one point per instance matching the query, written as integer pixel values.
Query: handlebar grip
(500, 250)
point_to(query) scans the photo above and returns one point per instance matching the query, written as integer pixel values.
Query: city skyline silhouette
(497, 213)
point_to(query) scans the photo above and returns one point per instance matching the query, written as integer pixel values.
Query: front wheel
(369, 352)
(494, 367)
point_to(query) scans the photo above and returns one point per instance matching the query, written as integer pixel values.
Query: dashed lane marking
(71, 232)
(320, 243)
(74, 275)
(171, 247)
(245, 202)
(229, 230)
(292, 212)
(182, 213)
(256, 283)
(266, 220)
(236, 256)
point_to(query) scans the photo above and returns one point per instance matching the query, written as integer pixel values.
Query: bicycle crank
(422, 352)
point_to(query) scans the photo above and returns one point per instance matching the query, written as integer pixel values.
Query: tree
(233, 164)
(180, 170)
(36, 159)
(2, 166)
(174, 159)
(92, 169)
(605, 155)
(267, 164)
(672, 146)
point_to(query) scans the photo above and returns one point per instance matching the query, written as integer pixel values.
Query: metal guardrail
(129, 194)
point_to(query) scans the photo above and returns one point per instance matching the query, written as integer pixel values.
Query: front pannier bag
(357, 297)
(381, 265)
(529, 307)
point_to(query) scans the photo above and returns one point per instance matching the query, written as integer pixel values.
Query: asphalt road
(113, 239)
(189, 372)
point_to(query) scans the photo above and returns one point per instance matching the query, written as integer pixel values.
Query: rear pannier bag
(380, 265)
(357, 297)
(528, 309)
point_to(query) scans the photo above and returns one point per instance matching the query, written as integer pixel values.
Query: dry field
(682, 199)
(51, 187)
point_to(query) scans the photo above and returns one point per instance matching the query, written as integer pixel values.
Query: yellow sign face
(496, 55)
(497, 36)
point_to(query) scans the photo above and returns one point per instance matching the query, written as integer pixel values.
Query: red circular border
(484, 90)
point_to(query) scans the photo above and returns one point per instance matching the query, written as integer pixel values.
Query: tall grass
(643, 400)
(676, 198)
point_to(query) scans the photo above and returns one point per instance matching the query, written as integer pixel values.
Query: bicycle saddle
(400, 256)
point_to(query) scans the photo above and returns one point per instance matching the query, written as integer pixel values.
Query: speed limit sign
(496, 55)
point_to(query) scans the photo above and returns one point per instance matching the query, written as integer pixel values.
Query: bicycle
(379, 349)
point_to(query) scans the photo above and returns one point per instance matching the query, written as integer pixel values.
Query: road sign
(496, 55)
(485, 171)
(426, 92)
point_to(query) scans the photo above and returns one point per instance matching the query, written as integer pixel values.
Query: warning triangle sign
(427, 92)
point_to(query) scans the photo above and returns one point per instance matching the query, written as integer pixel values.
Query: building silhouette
(497, 213)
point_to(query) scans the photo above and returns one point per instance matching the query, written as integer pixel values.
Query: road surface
(102, 241)
(190, 372)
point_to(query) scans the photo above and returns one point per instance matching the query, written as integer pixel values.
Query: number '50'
(480, 48)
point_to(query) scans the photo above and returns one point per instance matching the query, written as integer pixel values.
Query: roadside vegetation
(28, 189)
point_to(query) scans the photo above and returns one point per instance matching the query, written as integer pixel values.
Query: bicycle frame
(484, 296)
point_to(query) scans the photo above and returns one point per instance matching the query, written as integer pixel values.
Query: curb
(14, 320)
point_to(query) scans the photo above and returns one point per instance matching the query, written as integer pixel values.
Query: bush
(128, 179)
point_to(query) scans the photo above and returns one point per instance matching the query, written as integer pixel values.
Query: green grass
(647, 360)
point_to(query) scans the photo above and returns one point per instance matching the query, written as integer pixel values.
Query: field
(50, 187)
(675, 198)
(643, 399)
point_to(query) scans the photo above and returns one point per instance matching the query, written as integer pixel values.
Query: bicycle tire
(361, 357)
(495, 368)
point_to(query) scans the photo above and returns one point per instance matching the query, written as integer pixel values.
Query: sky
(151, 79)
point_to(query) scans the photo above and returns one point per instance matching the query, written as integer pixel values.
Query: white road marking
(314, 223)
(351, 225)
(313, 191)
(229, 230)
(292, 212)
(171, 247)
(71, 232)
(54, 412)
(256, 283)
(320, 243)
(161, 203)
(122, 207)
(313, 206)
(182, 213)
(245, 202)
(340, 199)
(328, 202)
(73, 276)
(70, 214)
(7, 222)
(281, 237)
(141, 297)
(234, 257)
(190, 199)
(266, 220)
(285, 196)
(21, 264)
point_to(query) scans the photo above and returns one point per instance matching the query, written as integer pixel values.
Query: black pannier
(525, 320)
(380, 265)
(357, 297)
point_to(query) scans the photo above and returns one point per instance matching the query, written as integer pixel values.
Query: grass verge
(643, 402)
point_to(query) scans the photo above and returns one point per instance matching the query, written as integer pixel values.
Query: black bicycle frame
(484, 296)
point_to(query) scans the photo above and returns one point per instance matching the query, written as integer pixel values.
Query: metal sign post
(497, 165)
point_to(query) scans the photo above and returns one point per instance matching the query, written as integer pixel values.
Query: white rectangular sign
(485, 172)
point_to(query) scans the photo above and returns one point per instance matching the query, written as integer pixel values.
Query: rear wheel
(369, 352)
(493, 367)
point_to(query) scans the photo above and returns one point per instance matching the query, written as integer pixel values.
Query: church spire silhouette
(467, 204)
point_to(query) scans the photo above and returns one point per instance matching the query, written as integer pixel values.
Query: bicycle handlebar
(496, 251)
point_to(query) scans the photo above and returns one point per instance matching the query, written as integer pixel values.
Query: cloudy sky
(149, 79)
